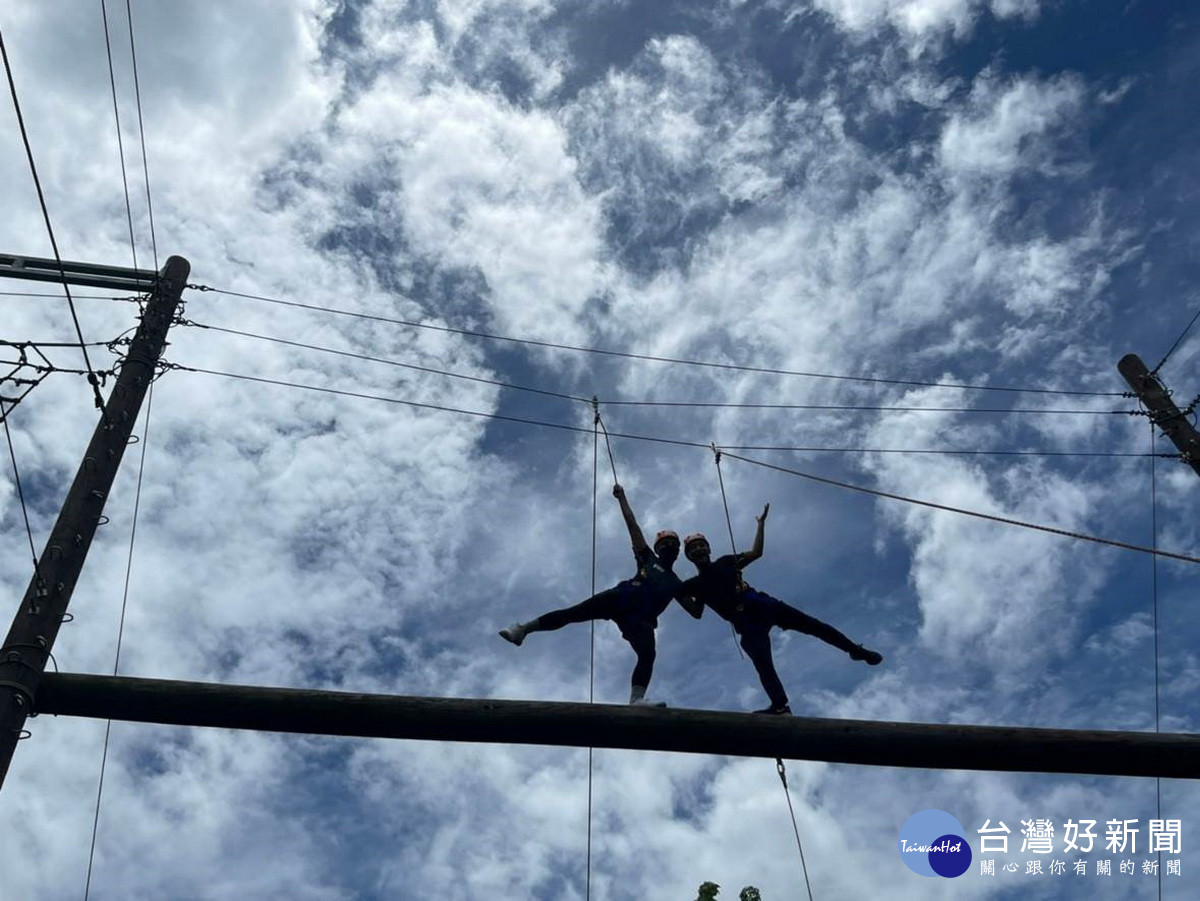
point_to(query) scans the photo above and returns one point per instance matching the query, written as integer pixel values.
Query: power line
(649, 357)
(679, 442)
(137, 90)
(367, 357)
(656, 403)
(12, 454)
(37, 183)
(112, 80)
(571, 428)
(1178, 340)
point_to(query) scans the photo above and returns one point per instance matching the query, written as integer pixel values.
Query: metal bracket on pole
(92, 275)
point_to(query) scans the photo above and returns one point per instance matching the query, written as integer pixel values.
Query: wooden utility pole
(27, 648)
(935, 746)
(1163, 412)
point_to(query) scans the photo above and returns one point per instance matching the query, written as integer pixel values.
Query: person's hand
(618, 491)
(763, 517)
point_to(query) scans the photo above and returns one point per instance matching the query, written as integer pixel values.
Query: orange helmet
(664, 535)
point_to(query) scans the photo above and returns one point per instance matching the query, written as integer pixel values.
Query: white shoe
(514, 633)
(645, 702)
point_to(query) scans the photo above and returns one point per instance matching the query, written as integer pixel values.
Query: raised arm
(635, 531)
(757, 551)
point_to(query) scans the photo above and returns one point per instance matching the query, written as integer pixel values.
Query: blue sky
(974, 192)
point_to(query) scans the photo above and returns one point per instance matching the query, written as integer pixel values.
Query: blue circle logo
(932, 844)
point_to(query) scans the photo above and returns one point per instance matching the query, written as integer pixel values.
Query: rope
(988, 516)
(592, 657)
(800, 847)
(732, 543)
(37, 183)
(1154, 593)
(636, 356)
(608, 446)
(724, 500)
(137, 500)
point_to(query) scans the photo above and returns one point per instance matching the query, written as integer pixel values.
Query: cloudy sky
(993, 193)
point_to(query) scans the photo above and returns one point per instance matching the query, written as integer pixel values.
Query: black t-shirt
(653, 587)
(720, 586)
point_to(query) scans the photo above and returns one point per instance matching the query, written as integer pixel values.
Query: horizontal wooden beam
(932, 746)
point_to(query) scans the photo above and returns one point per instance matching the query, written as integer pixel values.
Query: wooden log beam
(1013, 749)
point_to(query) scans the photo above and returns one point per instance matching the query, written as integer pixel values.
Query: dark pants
(619, 605)
(761, 613)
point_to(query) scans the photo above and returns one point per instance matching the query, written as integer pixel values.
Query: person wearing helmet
(634, 605)
(719, 584)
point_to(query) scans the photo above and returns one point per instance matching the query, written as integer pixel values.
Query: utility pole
(1163, 412)
(30, 640)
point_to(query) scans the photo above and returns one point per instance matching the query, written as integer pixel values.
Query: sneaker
(646, 702)
(514, 633)
(872, 658)
(776, 710)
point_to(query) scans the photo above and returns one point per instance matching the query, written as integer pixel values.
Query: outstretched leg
(788, 617)
(756, 642)
(604, 605)
(641, 638)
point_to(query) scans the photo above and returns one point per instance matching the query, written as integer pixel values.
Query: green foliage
(750, 893)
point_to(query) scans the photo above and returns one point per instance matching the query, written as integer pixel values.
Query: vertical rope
(724, 500)
(137, 501)
(1154, 593)
(592, 660)
(779, 767)
(729, 526)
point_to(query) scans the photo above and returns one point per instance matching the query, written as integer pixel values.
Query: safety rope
(782, 770)
(607, 444)
(778, 760)
(592, 658)
(724, 501)
(729, 526)
(1154, 594)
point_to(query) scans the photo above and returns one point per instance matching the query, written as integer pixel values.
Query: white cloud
(1003, 129)
(426, 168)
(922, 22)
